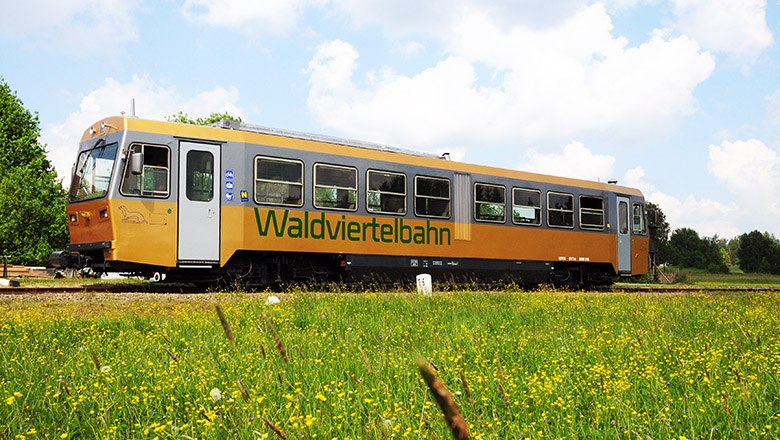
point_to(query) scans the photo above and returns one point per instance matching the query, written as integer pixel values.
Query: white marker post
(424, 285)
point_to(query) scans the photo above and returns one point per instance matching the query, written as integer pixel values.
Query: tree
(732, 247)
(32, 199)
(759, 253)
(659, 232)
(687, 249)
(718, 260)
(726, 257)
(214, 117)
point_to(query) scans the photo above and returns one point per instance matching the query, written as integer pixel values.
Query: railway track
(103, 288)
(666, 288)
(178, 288)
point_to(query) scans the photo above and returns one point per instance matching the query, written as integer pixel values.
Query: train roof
(240, 132)
(236, 125)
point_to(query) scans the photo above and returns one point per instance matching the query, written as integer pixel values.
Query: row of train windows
(280, 182)
(154, 177)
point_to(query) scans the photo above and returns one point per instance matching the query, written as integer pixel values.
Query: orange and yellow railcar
(237, 201)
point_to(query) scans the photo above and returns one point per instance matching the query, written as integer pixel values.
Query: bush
(672, 275)
(717, 268)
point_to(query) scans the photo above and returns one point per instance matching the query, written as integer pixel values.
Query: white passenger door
(199, 204)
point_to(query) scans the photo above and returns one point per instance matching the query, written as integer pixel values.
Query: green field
(543, 364)
(733, 279)
(687, 278)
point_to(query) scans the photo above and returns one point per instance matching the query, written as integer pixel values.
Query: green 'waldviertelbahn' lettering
(318, 227)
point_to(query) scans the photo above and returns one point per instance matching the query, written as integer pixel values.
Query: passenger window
(154, 178)
(489, 202)
(386, 192)
(431, 197)
(335, 187)
(200, 176)
(278, 181)
(526, 206)
(591, 212)
(560, 210)
(640, 225)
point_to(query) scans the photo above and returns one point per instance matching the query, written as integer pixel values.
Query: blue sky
(679, 98)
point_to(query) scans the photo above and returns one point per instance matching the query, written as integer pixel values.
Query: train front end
(112, 228)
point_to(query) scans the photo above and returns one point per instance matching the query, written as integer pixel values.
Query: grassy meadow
(701, 278)
(541, 364)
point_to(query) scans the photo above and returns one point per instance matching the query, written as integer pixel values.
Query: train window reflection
(154, 179)
(278, 181)
(623, 217)
(489, 202)
(335, 187)
(526, 206)
(431, 197)
(386, 192)
(560, 210)
(591, 212)
(200, 176)
(93, 173)
(639, 223)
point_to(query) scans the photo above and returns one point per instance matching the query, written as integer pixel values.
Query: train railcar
(241, 202)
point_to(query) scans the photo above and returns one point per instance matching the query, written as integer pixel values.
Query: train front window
(154, 178)
(93, 172)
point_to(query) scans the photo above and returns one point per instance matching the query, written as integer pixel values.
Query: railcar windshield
(93, 172)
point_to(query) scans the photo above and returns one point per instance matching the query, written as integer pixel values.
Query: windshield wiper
(100, 143)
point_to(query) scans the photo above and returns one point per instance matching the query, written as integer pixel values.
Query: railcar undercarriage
(275, 269)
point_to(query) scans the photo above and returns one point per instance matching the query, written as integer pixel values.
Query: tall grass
(540, 365)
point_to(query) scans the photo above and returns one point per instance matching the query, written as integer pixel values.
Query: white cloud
(735, 27)
(331, 68)
(707, 217)
(399, 17)
(430, 17)
(751, 170)
(411, 48)
(635, 178)
(578, 77)
(438, 106)
(623, 5)
(545, 86)
(247, 16)
(153, 101)
(79, 26)
(574, 160)
(746, 165)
